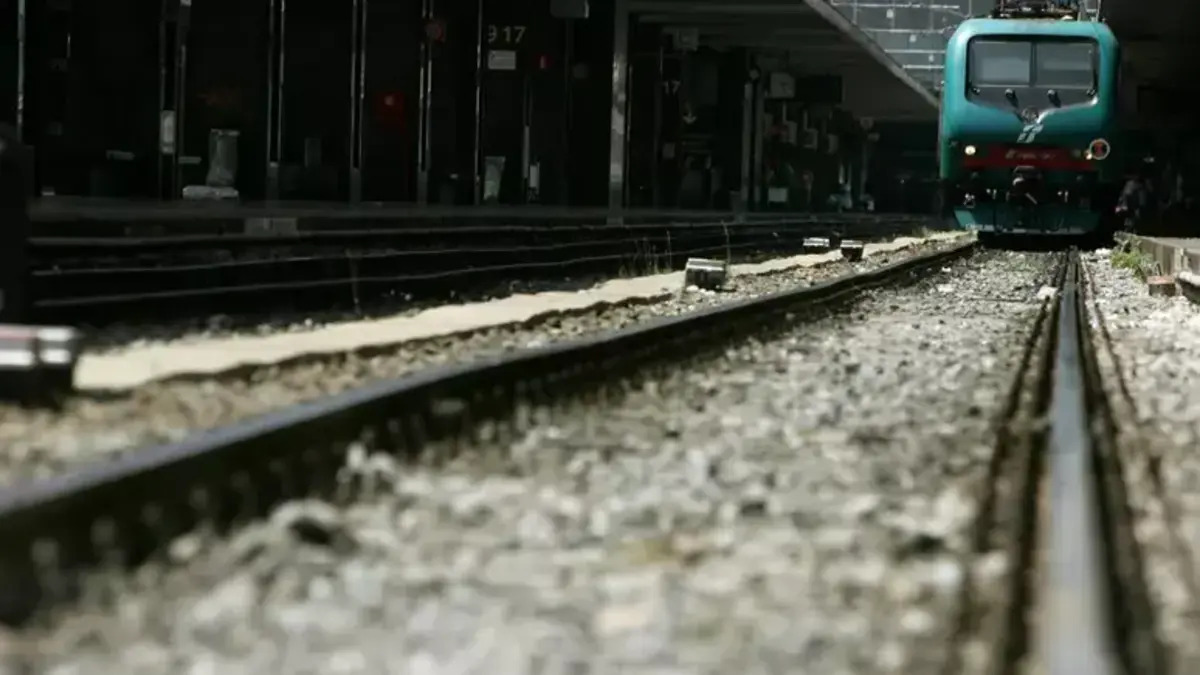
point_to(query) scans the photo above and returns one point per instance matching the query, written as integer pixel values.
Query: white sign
(166, 132)
(687, 39)
(502, 59)
(781, 85)
(268, 226)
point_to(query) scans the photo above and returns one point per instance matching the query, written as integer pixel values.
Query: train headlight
(1098, 149)
(969, 150)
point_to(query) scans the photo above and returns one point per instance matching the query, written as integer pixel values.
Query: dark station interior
(663, 104)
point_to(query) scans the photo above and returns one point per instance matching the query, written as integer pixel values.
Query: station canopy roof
(807, 37)
(1160, 42)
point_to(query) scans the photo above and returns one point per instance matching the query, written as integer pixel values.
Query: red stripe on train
(1052, 159)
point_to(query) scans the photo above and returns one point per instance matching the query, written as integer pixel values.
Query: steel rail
(1079, 622)
(137, 503)
(349, 280)
(1094, 595)
(348, 236)
(101, 289)
(1007, 517)
(1073, 597)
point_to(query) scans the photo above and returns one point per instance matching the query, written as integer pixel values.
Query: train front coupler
(1026, 187)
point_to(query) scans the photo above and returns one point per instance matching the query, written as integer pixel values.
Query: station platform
(1173, 254)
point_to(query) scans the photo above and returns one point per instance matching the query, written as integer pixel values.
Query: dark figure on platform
(16, 171)
(1134, 200)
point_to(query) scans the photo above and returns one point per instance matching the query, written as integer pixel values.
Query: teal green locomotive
(1027, 137)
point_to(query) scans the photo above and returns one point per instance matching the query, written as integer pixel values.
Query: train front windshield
(1058, 64)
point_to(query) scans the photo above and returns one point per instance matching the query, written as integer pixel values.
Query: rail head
(1080, 638)
(1096, 602)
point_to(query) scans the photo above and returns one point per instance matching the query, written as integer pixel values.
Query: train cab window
(1058, 64)
(1000, 62)
(1065, 65)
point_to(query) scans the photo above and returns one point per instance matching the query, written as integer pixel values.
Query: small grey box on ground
(1189, 285)
(209, 193)
(816, 244)
(705, 273)
(37, 362)
(852, 250)
(1161, 285)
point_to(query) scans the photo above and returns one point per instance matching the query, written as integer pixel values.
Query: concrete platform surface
(1192, 244)
(1173, 255)
(200, 356)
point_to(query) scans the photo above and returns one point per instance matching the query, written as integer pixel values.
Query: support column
(758, 172)
(19, 94)
(358, 71)
(864, 165)
(173, 36)
(619, 124)
(276, 40)
(477, 168)
(748, 136)
(425, 102)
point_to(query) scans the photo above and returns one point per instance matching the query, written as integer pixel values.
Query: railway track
(131, 507)
(100, 280)
(1070, 597)
(97, 424)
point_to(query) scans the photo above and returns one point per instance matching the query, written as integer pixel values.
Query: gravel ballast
(1156, 342)
(798, 505)
(91, 427)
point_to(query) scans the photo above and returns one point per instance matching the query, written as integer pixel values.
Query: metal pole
(864, 163)
(620, 83)
(475, 172)
(427, 103)
(423, 76)
(656, 151)
(526, 134)
(758, 162)
(181, 37)
(161, 170)
(747, 141)
(271, 175)
(357, 56)
(275, 123)
(568, 111)
(425, 109)
(362, 92)
(20, 111)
